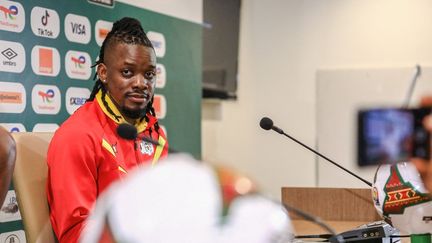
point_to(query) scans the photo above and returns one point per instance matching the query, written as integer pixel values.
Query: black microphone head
(266, 123)
(127, 131)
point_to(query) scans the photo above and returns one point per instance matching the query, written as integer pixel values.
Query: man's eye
(150, 75)
(126, 72)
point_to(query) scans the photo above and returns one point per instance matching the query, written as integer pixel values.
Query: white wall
(190, 10)
(282, 44)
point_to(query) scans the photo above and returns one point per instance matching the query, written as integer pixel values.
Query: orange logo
(157, 104)
(103, 33)
(11, 97)
(45, 60)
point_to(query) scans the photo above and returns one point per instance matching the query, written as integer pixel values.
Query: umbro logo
(9, 53)
(12, 57)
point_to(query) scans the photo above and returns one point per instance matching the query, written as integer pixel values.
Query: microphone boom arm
(329, 160)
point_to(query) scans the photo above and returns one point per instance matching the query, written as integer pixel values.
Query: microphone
(130, 132)
(267, 124)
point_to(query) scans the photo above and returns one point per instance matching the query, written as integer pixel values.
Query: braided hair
(128, 31)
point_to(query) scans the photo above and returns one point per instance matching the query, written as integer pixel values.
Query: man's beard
(134, 114)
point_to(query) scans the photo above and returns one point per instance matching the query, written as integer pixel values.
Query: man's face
(129, 76)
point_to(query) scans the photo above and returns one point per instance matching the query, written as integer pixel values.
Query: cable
(412, 85)
(321, 236)
(313, 219)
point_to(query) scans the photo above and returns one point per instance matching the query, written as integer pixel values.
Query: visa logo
(78, 28)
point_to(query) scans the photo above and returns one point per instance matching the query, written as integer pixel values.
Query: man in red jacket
(86, 154)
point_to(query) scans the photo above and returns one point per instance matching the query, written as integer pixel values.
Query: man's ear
(102, 72)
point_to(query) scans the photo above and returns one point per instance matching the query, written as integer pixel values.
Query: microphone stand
(324, 157)
(410, 92)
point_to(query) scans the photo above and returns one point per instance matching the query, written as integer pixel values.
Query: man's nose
(141, 82)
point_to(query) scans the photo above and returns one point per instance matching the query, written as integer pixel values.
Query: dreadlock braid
(107, 106)
(128, 31)
(150, 109)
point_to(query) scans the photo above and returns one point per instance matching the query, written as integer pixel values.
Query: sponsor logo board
(77, 28)
(13, 127)
(12, 16)
(101, 30)
(78, 65)
(17, 236)
(160, 76)
(12, 57)
(75, 98)
(45, 22)
(45, 127)
(160, 106)
(105, 3)
(9, 210)
(46, 99)
(12, 97)
(158, 41)
(45, 61)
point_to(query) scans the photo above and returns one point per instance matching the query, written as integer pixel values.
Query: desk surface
(303, 227)
(335, 204)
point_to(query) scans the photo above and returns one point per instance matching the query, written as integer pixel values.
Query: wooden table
(303, 227)
(342, 209)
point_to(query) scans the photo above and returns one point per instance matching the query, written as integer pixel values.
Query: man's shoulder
(84, 121)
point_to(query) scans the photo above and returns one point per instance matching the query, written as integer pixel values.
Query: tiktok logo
(45, 22)
(44, 18)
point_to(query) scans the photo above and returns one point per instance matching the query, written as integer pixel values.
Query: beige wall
(190, 10)
(282, 44)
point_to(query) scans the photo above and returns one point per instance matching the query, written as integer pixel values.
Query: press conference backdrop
(47, 48)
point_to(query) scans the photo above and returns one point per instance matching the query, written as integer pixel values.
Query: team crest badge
(401, 194)
(146, 148)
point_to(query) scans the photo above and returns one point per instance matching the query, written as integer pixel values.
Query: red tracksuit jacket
(85, 156)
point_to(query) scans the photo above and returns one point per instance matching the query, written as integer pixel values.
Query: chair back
(29, 180)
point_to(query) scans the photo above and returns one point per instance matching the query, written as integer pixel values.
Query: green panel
(11, 226)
